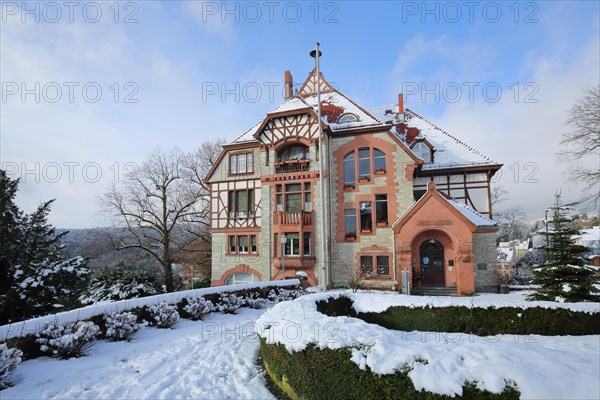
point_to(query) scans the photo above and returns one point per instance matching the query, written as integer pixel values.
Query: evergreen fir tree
(11, 237)
(34, 277)
(564, 276)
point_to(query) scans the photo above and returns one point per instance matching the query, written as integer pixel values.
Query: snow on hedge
(35, 325)
(381, 301)
(541, 366)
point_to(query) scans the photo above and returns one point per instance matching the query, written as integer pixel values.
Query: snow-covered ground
(216, 358)
(211, 359)
(542, 367)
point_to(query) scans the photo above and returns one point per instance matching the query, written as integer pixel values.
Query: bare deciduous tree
(163, 207)
(499, 194)
(581, 145)
(512, 224)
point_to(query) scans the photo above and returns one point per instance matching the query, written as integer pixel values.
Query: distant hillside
(98, 245)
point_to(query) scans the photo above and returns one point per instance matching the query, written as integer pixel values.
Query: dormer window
(347, 118)
(422, 150)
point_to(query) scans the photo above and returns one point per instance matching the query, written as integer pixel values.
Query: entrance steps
(434, 291)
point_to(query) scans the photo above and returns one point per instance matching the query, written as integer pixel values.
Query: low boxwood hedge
(330, 374)
(479, 321)
(31, 349)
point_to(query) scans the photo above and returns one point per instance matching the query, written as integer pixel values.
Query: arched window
(349, 170)
(295, 153)
(347, 118)
(241, 277)
(422, 151)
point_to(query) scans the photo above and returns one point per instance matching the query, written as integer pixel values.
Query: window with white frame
(422, 151)
(241, 277)
(241, 163)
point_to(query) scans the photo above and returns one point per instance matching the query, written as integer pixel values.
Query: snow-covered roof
(590, 234)
(334, 104)
(471, 214)
(449, 151)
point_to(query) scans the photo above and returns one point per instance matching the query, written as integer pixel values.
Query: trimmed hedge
(330, 374)
(479, 321)
(27, 343)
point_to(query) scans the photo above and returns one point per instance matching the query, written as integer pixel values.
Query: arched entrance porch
(432, 259)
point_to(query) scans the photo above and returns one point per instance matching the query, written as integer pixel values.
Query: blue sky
(539, 55)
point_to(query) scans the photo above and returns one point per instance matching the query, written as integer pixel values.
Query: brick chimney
(401, 106)
(288, 86)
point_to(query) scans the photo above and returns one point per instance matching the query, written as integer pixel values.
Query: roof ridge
(359, 106)
(450, 136)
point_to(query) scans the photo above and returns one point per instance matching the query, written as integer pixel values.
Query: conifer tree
(564, 276)
(34, 277)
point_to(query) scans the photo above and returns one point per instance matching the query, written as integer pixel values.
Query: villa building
(400, 194)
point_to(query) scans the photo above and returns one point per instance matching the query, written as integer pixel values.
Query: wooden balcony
(284, 167)
(300, 218)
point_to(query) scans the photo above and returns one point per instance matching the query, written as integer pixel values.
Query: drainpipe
(394, 264)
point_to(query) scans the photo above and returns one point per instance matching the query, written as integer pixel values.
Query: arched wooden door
(431, 256)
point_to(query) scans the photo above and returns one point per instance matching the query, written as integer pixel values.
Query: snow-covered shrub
(253, 300)
(164, 315)
(284, 294)
(229, 303)
(10, 358)
(47, 286)
(70, 340)
(119, 284)
(198, 308)
(121, 325)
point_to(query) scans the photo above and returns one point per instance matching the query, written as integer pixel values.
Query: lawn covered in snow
(542, 367)
(211, 359)
(216, 358)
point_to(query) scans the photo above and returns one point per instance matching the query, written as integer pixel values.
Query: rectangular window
(366, 265)
(241, 163)
(242, 244)
(366, 217)
(349, 173)
(239, 244)
(275, 245)
(350, 222)
(293, 197)
(292, 244)
(306, 243)
(383, 265)
(364, 164)
(379, 161)
(241, 203)
(241, 200)
(293, 202)
(381, 209)
(307, 202)
(233, 164)
(232, 244)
